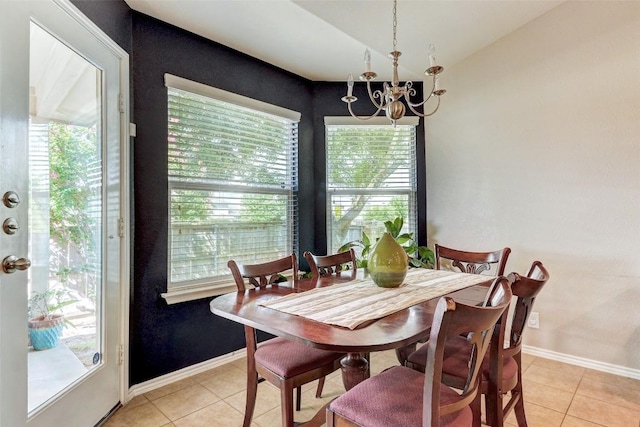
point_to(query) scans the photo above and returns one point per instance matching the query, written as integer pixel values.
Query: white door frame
(125, 176)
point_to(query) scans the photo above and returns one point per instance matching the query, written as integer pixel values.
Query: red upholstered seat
(456, 356)
(288, 358)
(399, 388)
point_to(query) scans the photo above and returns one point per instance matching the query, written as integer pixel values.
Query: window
(232, 183)
(371, 178)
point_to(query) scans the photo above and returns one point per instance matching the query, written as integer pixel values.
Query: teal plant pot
(387, 263)
(44, 334)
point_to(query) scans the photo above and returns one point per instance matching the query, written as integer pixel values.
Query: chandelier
(389, 99)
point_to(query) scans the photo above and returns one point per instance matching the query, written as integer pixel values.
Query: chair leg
(476, 410)
(516, 393)
(492, 403)
(320, 387)
(252, 389)
(286, 405)
(497, 411)
(298, 397)
(519, 411)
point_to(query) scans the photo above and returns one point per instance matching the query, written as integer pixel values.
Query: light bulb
(350, 85)
(367, 61)
(432, 55)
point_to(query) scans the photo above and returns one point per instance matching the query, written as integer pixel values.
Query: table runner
(353, 303)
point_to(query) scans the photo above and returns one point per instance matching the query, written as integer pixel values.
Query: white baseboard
(585, 363)
(192, 370)
(181, 374)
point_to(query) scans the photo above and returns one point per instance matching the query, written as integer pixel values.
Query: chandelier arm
(413, 92)
(412, 106)
(416, 112)
(362, 117)
(375, 94)
(435, 109)
(433, 85)
(420, 104)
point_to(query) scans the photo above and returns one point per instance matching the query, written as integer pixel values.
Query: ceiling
(324, 40)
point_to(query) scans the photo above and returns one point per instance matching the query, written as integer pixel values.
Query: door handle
(11, 263)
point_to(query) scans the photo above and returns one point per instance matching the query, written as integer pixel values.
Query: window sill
(183, 295)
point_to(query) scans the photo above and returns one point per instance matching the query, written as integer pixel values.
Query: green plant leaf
(366, 242)
(404, 238)
(418, 256)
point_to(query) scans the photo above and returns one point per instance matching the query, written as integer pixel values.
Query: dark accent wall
(165, 338)
(112, 16)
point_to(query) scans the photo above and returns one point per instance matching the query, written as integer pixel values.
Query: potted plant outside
(46, 318)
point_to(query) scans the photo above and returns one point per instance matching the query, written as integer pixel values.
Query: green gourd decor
(388, 262)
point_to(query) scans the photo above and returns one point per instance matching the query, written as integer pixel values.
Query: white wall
(537, 147)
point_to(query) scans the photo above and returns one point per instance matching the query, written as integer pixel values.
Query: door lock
(11, 263)
(10, 226)
(11, 199)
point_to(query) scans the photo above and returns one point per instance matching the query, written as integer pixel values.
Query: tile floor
(556, 395)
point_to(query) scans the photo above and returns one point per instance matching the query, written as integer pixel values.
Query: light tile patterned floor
(556, 395)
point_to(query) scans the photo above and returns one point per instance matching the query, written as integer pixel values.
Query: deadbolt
(10, 226)
(11, 263)
(11, 199)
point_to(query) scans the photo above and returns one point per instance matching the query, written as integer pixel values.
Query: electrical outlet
(534, 320)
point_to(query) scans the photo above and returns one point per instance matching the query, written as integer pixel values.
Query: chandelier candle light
(389, 99)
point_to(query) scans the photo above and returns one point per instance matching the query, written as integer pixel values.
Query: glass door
(61, 277)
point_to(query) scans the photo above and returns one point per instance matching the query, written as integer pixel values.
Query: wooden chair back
(330, 265)
(496, 383)
(451, 320)
(472, 262)
(261, 275)
(526, 289)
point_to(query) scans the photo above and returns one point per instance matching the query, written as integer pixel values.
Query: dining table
(399, 330)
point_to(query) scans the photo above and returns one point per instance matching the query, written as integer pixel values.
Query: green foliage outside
(72, 153)
(75, 185)
(397, 207)
(44, 305)
(364, 159)
(419, 256)
(212, 143)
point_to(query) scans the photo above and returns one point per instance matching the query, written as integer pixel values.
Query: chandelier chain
(395, 24)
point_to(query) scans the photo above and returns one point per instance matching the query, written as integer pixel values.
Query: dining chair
(331, 265)
(334, 264)
(472, 262)
(502, 365)
(465, 262)
(401, 396)
(284, 363)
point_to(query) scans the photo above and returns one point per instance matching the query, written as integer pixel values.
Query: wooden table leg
(355, 369)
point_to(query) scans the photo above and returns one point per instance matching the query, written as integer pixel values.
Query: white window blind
(371, 178)
(232, 187)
